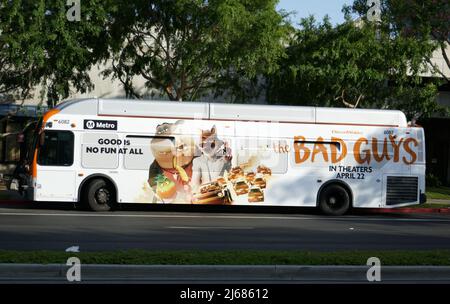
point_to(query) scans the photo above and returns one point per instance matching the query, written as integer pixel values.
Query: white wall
(439, 61)
(109, 88)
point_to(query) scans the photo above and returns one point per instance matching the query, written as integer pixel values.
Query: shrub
(432, 180)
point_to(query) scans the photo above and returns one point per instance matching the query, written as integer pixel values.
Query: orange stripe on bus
(34, 164)
(48, 115)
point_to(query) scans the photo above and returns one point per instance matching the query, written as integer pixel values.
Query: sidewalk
(95, 273)
(426, 208)
(438, 201)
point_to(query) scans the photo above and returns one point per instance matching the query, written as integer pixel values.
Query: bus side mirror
(20, 138)
(41, 139)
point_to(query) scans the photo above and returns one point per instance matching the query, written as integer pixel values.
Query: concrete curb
(220, 273)
(359, 210)
(408, 210)
(438, 201)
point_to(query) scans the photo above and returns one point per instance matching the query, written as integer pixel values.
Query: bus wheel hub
(332, 201)
(102, 196)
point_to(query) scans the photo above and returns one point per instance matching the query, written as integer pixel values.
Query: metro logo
(364, 151)
(91, 124)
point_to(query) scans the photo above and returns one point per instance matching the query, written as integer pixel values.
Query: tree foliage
(354, 64)
(184, 48)
(19, 36)
(187, 48)
(72, 48)
(38, 45)
(428, 19)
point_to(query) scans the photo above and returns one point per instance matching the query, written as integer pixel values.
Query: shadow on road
(12, 200)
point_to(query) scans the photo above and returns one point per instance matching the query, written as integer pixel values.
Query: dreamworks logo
(90, 124)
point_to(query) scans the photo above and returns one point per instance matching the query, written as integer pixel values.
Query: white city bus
(102, 152)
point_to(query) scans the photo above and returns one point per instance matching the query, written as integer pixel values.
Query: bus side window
(314, 153)
(142, 151)
(420, 136)
(268, 152)
(100, 151)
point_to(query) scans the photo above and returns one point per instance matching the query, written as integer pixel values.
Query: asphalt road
(52, 227)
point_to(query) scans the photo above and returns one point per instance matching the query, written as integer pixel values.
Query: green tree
(39, 45)
(19, 36)
(417, 18)
(354, 64)
(184, 48)
(71, 48)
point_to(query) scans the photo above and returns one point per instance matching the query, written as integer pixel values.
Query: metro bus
(103, 152)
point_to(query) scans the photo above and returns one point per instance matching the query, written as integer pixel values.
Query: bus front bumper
(28, 189)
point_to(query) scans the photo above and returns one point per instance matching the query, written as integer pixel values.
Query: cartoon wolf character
(214, 161)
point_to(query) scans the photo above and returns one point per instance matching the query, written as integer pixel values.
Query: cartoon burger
(235, 173)
(255, 195)
(264, 170)
(241, 187)
(210, 194)
(221, 181)
(259, 181)
(250, 176)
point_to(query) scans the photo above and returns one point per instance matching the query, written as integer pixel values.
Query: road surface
(55, 227)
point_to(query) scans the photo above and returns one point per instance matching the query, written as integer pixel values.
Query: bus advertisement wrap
(185, 168)
(104, 152)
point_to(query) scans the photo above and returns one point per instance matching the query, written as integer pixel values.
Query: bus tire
(334, 200)
(99, 195)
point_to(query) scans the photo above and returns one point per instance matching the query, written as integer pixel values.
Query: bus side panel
(210, 162)
(55, 185)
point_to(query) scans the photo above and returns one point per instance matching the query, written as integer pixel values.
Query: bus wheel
(100, 195)
(334, 200)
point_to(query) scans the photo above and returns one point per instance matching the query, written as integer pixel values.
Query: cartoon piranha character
(171, 171)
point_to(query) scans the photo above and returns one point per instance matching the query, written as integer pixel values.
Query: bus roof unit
(239, 112)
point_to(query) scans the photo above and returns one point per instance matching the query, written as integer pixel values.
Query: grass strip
(438, 193)
(141, 257)
(430, 205)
